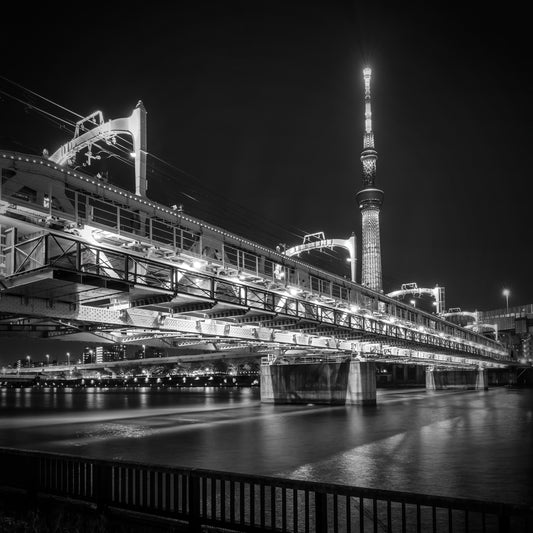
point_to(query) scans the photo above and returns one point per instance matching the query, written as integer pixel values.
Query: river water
(468, 444)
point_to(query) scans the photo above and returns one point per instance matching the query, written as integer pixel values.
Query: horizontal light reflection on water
(463, 443)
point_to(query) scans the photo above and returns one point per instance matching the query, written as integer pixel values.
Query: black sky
(261, 104)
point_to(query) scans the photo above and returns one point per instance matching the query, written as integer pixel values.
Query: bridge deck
(82, 250)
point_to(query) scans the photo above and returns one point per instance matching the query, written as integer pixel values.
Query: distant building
(515, 328)
(114, 352)
(146, 352)
(104, 354)
(88, 356)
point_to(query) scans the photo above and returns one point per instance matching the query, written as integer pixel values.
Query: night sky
(258, 111)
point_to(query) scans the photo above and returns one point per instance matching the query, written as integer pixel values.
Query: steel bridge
(85, 260)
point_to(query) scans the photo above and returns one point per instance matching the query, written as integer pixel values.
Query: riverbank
(46, 514)
(154, 383)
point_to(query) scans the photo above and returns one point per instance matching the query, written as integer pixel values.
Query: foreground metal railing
(239, 502)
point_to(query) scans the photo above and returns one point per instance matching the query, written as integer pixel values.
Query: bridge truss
(85, 260)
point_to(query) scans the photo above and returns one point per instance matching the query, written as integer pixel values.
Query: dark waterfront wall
(497, 377)
(409, 375)
(388, 375)
(398, 375)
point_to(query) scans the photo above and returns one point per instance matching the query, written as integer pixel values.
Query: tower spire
(370, 200)
(368, 141)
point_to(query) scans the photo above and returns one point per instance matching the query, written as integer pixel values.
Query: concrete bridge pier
(456, 379)
(324, 382)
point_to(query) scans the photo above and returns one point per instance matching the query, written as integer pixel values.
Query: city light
(413, 303)
(506, 293)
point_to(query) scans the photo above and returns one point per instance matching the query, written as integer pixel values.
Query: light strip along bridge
(85, 260)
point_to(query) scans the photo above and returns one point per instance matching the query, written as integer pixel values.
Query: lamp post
(29, 361)
(506, 293)
(68, 358)
(47, 359)
(413, 303)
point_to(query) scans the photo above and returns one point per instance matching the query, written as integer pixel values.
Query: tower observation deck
(369, 200)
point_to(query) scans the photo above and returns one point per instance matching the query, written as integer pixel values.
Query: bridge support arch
(333, 382)
(476, 379)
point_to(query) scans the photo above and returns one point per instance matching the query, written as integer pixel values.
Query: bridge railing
(73, 254)
(238, 502)
(79, 199)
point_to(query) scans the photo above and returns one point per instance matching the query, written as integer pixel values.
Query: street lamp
(68, 358)
(413, 303)
(29, 360)
(506, 293)
(47, 359)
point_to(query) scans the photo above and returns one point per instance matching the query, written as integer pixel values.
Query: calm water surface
(454, 443)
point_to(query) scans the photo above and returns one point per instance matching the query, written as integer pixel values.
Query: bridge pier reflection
(333, 382)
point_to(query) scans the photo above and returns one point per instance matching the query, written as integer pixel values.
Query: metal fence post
(504, 525)
(31, 465)
(321, 512)
(102, 484)
(194, 503)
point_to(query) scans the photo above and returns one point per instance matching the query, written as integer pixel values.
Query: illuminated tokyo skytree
(370, 200)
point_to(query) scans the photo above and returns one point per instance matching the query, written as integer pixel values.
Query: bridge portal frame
(349, 244)
(134, 125)
(412, 288)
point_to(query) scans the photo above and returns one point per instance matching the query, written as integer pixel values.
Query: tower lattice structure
(370, 200)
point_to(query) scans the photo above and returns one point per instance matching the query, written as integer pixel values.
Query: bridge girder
(206, 328)
(127, 263)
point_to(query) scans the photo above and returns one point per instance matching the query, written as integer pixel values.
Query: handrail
(243, 502)
(126, 267)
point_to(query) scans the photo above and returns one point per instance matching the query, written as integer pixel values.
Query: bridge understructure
(85, 260)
